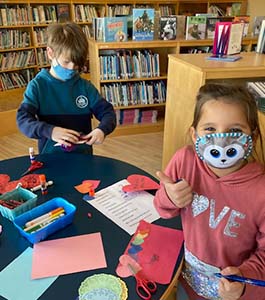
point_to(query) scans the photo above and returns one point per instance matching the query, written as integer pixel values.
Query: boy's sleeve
(102, 110)
(27, 116)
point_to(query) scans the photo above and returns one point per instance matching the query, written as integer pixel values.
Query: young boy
(58, 104)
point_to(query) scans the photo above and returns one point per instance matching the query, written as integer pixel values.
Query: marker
(44, 221)
(45, 224)
(38, 187)
(242, 279)
(43, 217)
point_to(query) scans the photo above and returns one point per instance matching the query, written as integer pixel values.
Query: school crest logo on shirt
(81, 101)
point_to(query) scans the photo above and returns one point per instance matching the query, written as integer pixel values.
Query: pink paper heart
(140, 183)
(123, 270)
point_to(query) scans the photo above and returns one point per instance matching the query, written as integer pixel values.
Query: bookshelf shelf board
(134, 79)
(141, 106)
(18, 69)
(16, 49)
(138, 128)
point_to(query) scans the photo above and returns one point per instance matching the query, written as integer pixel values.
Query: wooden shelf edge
(138, 128)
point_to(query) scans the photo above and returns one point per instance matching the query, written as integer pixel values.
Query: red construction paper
(95, 183)
(83, 188)
(140, 183)
(4, 179)
(86, 185)
(156, 249)
(30, 181)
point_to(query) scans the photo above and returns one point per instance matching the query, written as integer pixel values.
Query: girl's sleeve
(164, 206)
(254, 266)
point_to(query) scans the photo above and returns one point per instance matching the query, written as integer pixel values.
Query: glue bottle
(31, 154)
(43, 184)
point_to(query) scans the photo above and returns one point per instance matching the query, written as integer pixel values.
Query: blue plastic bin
(40, 210)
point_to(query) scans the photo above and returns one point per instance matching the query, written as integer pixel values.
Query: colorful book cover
(115, 29)
(245, 20)
(257, 24)
(168, 28)
(261, 39)
(63, 13)
(210, 26)
(196, 27)
(181, 26)
(143, 24)
(235, 38)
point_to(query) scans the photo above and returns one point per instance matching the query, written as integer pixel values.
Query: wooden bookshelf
(35, 24)
(186, 74)
(164, 48)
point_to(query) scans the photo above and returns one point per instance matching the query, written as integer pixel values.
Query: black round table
(67, 170)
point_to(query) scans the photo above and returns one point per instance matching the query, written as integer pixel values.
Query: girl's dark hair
(70, 40)
(229, 93)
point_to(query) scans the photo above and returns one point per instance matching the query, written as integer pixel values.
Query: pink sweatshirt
(225, 223)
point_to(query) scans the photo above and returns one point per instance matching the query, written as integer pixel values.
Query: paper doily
(101, 287)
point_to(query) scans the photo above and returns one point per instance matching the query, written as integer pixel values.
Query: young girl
(219, 191)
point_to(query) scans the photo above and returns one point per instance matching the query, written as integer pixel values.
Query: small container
(29, 199)
(40, 210)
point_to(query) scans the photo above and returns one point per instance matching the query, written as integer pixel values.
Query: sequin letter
(232, 223)
(199, 204)
(213, 223)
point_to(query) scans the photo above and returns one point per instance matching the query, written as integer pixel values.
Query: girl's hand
(180, 193)
(65, 136)
(96, 136)
(230, 290)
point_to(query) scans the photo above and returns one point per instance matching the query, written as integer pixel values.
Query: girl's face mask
(223, 150)
(61, 72)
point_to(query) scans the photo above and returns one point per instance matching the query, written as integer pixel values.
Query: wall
(256, 8)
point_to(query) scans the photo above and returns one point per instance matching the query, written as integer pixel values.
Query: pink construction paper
(140, 183)
(155, 249)
(68, 255)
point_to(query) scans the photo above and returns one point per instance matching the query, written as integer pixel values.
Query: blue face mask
(63, 73)
(223, 150)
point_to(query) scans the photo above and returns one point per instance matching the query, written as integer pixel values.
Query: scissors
(144, 287)
(33, 166)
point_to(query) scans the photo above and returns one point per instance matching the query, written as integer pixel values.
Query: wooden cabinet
(186, 74)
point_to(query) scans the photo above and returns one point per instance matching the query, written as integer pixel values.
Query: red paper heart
(140, 183)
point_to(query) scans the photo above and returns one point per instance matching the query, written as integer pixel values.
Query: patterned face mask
(223, 150)
(63, 73)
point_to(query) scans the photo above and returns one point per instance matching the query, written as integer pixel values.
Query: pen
(43, 217)
(38, 187)
(242, 279)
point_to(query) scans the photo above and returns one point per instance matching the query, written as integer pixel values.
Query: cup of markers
(35, 225)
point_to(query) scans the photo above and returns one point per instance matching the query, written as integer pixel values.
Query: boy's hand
(180, 193)
(65, 136)
(230, 290)
(96, 136)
